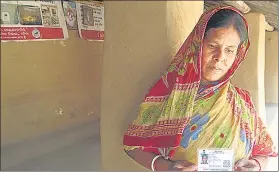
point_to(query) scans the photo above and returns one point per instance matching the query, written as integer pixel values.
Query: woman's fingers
(245, 165)
(241, 163)
(190, 168)
(185, 166)
(179, 165)
(242, 169)
(186, 163)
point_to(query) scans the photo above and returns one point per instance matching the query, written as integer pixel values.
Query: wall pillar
(141, 38)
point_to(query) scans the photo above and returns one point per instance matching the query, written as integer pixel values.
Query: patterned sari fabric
(179, 116)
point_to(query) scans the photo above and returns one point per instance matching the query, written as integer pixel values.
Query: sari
(179, 116)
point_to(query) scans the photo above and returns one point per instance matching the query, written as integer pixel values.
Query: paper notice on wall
(70, 13)
(90, 16)
(32, 20)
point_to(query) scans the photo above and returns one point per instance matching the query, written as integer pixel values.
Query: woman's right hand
(183, 166)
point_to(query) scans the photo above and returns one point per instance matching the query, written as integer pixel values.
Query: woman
(195, 106)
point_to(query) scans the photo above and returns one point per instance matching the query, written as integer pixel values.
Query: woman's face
(219, 52)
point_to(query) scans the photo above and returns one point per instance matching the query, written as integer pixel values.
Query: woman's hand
(183, 166)
(247, 165)
(175, 165)
(160, 164)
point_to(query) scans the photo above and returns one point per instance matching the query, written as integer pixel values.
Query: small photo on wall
(29, 15)
(70, 13)
(9, 14)
(50, 16)
(87, 15)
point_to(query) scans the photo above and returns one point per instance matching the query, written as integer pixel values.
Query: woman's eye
(211, 46)
(230, 51)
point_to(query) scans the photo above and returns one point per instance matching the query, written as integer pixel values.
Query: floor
(81, 155)
(84, 155)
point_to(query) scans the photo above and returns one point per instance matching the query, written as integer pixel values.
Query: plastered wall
(250, 75)
(141, 38)
(271, 67)
(48, 86)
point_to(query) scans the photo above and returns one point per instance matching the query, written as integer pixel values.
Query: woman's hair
(227, 18)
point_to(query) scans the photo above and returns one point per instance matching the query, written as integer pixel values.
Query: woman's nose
(219, 56)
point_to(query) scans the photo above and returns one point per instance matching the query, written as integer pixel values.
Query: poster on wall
(32, 20)
(70, 13)
(90, 16)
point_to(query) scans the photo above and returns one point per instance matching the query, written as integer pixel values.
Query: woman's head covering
(186, 65)
(191, 51)
(168, 104)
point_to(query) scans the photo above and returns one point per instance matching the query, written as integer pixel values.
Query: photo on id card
(215, 159)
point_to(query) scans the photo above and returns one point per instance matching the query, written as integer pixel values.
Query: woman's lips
(215, 69)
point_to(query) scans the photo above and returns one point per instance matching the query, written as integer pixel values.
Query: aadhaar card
(215, 159)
